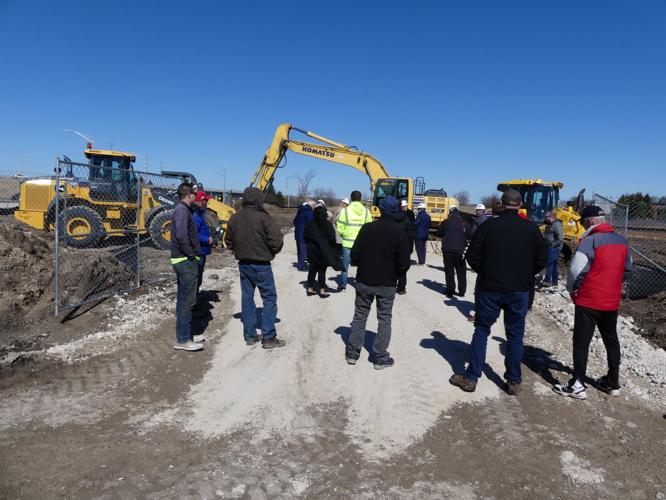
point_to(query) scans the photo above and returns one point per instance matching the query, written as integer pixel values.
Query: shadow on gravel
(435, 286)
(260, 312)
(456, 352)
(539, 361)
(439, 268)
(465, 307)
(201, 315)
(345, 332)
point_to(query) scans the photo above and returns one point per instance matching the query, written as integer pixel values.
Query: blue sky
(464, 94)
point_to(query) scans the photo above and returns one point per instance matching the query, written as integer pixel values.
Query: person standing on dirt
(349, 223)
(481, 217)
(344, 203)
(320, 238)
(506, 253)
(304, 215)
(255, 238)
(601, 263)
(421, 232)
(408, 218)
(554, 236)
(455, 233)
(205, 239)
(185, 251)
(381, 253)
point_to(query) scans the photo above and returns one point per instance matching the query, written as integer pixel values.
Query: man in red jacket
(602, 261)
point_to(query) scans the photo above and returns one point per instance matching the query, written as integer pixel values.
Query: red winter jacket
(602, 261)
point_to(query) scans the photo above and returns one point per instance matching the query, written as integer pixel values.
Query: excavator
(103, 204)
(541, 197)
(382, 184)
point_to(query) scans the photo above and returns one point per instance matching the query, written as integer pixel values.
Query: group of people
(506, 252)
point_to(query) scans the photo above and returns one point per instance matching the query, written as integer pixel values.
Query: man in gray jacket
(256, 239)
(185, 251)
(554, 236)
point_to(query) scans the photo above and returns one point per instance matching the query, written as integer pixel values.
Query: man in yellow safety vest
(349, 223)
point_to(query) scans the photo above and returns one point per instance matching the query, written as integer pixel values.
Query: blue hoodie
(199, 217)
(422, 225)
(304, 215)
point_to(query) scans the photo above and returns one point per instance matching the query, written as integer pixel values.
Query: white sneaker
(573, 389)
(199, 338)
(188, 346)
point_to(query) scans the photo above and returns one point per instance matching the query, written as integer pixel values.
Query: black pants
(454, 264)
(585, 320)
(320, 271)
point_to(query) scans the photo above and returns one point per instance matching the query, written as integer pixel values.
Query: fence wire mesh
(645, 228)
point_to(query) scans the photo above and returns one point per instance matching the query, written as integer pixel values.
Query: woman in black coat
(320, 238)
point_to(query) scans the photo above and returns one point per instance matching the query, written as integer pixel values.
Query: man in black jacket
(454, 232)
(381, 254)
(256, 239)
(506, 253)
(408, 224)
(185, 251)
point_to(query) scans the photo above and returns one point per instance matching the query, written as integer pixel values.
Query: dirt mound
(26, 274)
(650, 315)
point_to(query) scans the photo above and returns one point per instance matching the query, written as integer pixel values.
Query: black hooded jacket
(252, 233)
(454, 232)
(381, 251)
(320, 239)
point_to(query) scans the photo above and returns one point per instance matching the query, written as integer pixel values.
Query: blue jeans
(488, 306)
(346, 260)
(420, 250)
(552, 273)
(187, 274)
(201, 263)
(302, 253)
(258, 276)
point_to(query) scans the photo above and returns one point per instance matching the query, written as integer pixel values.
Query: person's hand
(210, 240)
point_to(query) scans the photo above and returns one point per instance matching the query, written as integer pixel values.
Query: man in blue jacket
(304, 215)
(205, 239)
(185, 250)
(421, 232)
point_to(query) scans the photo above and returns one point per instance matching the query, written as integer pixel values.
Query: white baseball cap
(421, 205)
(480, 206)
(345, 201)
(404, 203)
(452, 208)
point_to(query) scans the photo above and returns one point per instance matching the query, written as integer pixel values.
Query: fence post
(56, 264)
(139, 191)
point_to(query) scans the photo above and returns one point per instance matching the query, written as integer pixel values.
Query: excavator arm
(330, 150)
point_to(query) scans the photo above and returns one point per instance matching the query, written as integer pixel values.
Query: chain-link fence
(645, 229)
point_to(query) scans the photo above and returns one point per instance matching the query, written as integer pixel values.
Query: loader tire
(81, 227)
(160, 230)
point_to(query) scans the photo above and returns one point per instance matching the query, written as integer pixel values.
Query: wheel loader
(104, 204)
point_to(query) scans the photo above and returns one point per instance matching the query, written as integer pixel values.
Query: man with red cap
(203, 231)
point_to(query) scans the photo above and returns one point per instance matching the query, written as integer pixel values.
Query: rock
(214, 276)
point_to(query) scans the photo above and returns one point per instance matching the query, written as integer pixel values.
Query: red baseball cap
(201, 195)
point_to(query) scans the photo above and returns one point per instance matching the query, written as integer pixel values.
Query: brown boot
(513, 388)
(465, 384)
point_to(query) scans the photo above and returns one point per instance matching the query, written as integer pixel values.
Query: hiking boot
(253, 341)
(188, 346)
(572, 389)
(385, 362)
(352, 355)
(513, 388)
(273, 343)
(465, 384)
(603, 385)
(197, 339)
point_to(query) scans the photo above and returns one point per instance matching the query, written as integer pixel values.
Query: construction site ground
(101, 406)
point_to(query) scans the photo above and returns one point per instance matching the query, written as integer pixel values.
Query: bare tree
(304, 184)
(326, 194)
(491, 201)
(463, 197)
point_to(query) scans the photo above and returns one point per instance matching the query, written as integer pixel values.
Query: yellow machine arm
(335, 152)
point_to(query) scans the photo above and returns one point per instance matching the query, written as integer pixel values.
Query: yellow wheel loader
(103, 203)
(381, 183)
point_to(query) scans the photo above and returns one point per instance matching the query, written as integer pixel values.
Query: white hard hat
(480, 206)
(421, 206)
(452, 208)
(345, 201)
(404, 203)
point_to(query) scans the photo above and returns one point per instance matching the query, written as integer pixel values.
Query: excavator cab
(111, 175)
(539, 197)
(400, 188)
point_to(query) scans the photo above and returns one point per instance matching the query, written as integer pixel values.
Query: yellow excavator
(381, 183)
(104, 203)
(541, 197)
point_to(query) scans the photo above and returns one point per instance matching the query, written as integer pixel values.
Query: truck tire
(160, 230)
(81, 227)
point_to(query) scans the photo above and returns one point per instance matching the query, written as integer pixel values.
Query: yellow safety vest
(349, 224)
